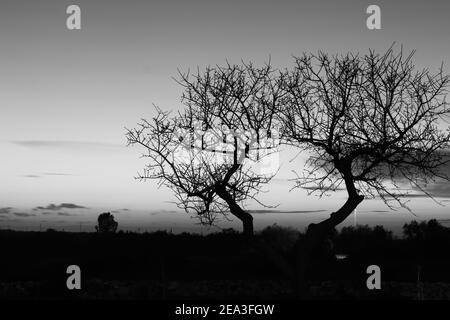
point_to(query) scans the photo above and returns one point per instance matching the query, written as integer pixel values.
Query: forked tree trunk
(315, 234)
(245, 217)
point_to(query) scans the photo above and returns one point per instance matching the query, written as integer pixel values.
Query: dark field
(224, 265)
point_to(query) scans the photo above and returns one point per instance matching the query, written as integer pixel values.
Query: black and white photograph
(224, 158)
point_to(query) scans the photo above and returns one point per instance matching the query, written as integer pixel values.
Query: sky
(66, 97)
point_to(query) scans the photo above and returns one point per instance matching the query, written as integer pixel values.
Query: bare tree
(369, 123)
(225, 131)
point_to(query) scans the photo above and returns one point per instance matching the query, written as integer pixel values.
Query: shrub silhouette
(354, 240)
(283, 238)
(106, 223)
(426, 230)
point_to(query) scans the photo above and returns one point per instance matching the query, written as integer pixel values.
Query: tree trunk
(237, 211)
(315, 234)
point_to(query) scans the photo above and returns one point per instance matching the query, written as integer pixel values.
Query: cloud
(65, 214)
(55, 144)
(168, 211)
(283, 211)
(405, 195)
(23, 214)
(439, 189)
(119, 210)
(436, 190)
(59, 207)
(282, 181)
(163, 211)
(6, 210)
(45, 174)
(313, 188)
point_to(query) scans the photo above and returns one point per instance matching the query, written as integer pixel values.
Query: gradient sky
(67, 96)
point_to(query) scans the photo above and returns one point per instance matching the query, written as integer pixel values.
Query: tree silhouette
(228, 113)
(106, 223)
(369, 123)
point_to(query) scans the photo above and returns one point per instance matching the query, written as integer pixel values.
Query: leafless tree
(226, 129)
(369, 123)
